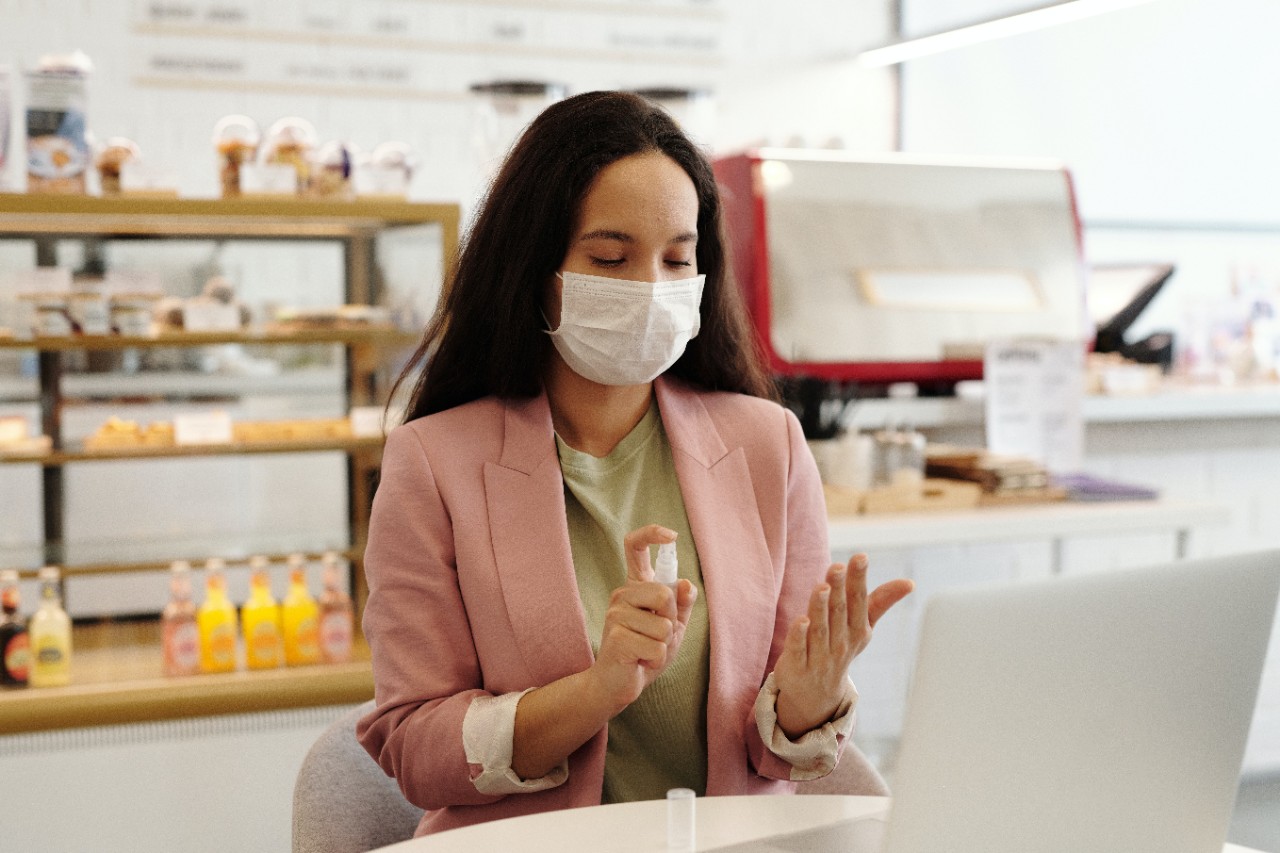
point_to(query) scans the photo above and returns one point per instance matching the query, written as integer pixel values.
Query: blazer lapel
(524, 492)
(737, 571)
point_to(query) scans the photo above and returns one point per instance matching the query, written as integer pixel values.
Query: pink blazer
(472, 590)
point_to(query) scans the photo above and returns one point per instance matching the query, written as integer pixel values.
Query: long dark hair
(486, 337)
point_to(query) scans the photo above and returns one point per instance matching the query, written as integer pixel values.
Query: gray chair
(344, 803)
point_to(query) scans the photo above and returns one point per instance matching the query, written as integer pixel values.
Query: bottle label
(182, 648)
(49, 656)
(306, 641)
(17, 658)
(335, 636)
(50, 663)
(263, 644)
(222, 646)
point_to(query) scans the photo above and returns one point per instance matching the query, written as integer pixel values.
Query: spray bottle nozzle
(665, 569)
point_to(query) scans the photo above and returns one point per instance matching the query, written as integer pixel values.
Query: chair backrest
(855, 774)
(342, 801)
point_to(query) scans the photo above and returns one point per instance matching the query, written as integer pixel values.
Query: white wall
(1159, 111)
(203, 785)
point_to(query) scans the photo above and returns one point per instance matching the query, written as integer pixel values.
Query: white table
(642, 827)
(1054, 521)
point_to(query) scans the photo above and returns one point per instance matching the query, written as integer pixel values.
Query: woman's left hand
(821, 645)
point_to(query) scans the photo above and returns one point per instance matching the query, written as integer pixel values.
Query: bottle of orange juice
(217, 621)
(337, 623)
(301, 617)
(260, 620)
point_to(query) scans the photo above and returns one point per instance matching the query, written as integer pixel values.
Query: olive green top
(659, 742)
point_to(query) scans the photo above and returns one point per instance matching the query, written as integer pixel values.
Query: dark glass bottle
(15, 650)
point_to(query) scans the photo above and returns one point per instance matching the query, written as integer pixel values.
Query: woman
(589, 389)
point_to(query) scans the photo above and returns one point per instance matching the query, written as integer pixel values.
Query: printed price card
(1035, 401)
(210, 317)
(268, 179)
(202, 428)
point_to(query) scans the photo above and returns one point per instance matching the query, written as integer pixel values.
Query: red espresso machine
(861, 270)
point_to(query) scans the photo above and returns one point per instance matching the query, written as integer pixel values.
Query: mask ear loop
(548, 329)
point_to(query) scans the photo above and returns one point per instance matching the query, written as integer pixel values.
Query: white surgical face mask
(619, 332)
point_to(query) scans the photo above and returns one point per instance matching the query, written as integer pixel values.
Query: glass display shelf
(365, 231)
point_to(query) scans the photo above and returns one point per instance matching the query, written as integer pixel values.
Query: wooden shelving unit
(355, 224)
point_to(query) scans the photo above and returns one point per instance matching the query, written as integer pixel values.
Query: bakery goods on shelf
(118, 433)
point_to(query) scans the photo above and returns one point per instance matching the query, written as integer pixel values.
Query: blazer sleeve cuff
(816, 752)
(488, 738)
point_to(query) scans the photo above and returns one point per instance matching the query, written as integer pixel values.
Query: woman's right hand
(644, 625)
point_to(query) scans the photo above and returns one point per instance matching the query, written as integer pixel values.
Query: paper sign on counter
(202, 428)
(1035, 401)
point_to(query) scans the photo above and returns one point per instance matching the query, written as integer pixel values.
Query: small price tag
(268, 179)
(139, 178)
(380, 181)
(202, 428)
(366, 421)
(210, 317)
(42, 280)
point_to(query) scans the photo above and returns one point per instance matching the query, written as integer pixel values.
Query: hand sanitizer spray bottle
(666, 569)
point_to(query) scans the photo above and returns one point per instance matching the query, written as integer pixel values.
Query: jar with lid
(333, 169)
(110, 160)
(899, 459)
(693, 109)
(290, 141)
(235, 139)
(503, 108)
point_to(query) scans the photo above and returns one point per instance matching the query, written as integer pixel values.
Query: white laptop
(1089, 714)
(1104, 713)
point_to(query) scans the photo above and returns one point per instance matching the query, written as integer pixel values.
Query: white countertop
(1004, 524)
(1174, 403)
